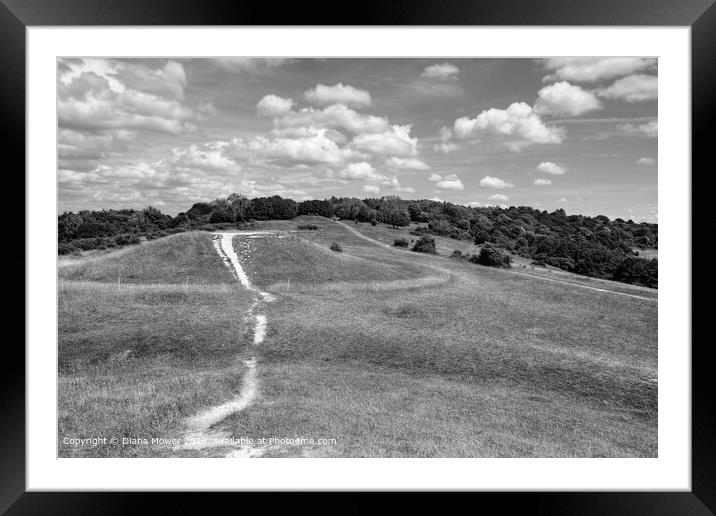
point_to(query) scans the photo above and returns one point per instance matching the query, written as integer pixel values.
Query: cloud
(274, 106)
(635, 88)
(647, 162)
(336, 116)
(361, 170)
(208, 157)
(542, 182)
(562, 98)
(314, 146)
(406, 164)
(371, 189)
(396, 142)
(250, 64)
(441, 71)
(548, 167)
(518, 121)
(563, 199)
(494, 182)
(102, 95)
(499, 197)
(594, 69)
(450, 182)
(323, 95)
(435, 177)
(474, 204)
(649, 129)
(446, 146)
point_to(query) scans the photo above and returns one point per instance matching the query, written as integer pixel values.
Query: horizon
(506, 207)
(573, 133)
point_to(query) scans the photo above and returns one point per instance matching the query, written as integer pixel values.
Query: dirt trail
(554, 280)
(199, 434)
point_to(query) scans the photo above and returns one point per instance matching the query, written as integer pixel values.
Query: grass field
(382, 352)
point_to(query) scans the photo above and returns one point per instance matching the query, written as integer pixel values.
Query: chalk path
(199, 434)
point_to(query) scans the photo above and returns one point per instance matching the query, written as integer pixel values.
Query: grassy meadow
(383, 352)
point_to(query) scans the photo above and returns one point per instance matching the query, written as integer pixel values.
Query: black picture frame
(700, 15)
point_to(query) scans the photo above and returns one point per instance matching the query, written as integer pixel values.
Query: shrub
(400, 242)
(65, 248)
(420, 230)
(127, 239)
(492, 257)
(425, 244)
(458, 255)
(337, 248)
(373, 222)
(310, 227)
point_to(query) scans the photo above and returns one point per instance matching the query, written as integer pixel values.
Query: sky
(572, 133)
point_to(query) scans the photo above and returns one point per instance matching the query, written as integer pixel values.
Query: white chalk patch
(260, 330)
(204, 420)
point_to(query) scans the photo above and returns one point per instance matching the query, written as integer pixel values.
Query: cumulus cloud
(315, 146)
(634, 88)
(361, 170)
(594, 69)
(474, 204)
(98, 95)
(542, 182)
(649, 129)
(274, 106)
(340, 93)
(396, 142)
(371, 189)
(406, 164)
(563, 98)
(449, 182)
(441, 71)
(446, 146)
(209, 156)
(250, 64)
(549, 167)
(647, 162)
(336, 116)
(518, 122)
(494, 182)
(499, 197)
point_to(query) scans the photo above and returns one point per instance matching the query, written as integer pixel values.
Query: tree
(240, 205)
(394, 211)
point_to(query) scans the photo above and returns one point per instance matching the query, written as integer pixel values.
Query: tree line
(592, 246)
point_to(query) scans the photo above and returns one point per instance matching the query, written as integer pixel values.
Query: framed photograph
(412, 249)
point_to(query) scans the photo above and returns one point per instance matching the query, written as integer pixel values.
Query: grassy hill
(172, 259)
(388, 352)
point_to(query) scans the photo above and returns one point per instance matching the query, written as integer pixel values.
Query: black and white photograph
(357, 257)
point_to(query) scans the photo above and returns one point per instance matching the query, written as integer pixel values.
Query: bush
(492, 257)
(400, 242)
(373, 222)
(310, 227)
(638, 271)
(425, 244)
(458, 255)
(127, 239)
(337, 248)
(65, 248)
